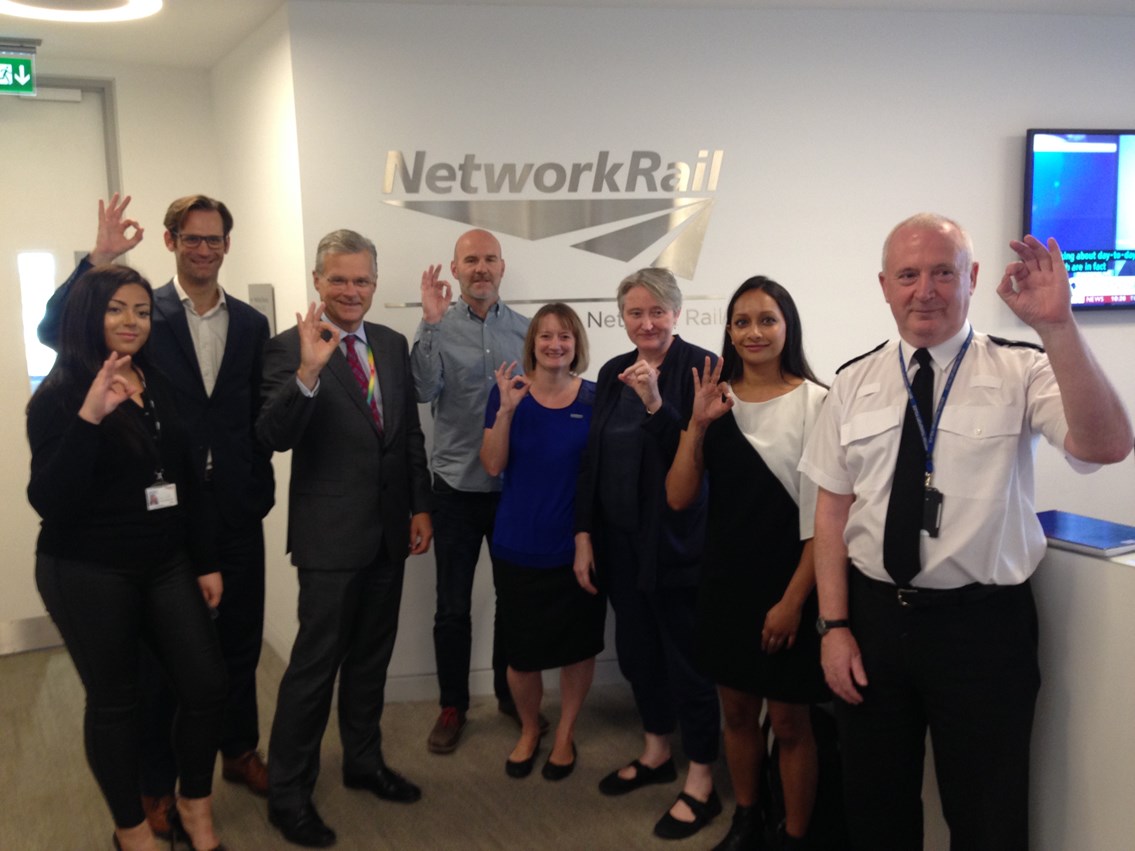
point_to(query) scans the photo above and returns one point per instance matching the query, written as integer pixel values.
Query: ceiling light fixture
(96, 11)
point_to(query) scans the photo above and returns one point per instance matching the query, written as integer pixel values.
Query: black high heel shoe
(178, 833)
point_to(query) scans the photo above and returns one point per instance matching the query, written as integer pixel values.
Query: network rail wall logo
(619, 207)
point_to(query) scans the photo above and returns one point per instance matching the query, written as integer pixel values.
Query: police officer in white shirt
(941, 633)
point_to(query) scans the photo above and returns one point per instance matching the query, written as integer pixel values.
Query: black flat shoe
(302, 826)
(386, 783)
(554, 771)
(522, 769)
(704, 812)
(613, 784)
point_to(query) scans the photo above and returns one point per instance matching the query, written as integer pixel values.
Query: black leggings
(104, 613)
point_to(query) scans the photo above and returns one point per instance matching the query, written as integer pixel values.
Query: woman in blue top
(536, 428)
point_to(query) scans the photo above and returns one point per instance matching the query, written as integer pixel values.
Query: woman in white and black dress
(756, 601)
(536, 426)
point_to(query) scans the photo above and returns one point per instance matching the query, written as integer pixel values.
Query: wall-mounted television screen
(1080, 188)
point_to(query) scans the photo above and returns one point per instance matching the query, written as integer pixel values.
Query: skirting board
(28, 634)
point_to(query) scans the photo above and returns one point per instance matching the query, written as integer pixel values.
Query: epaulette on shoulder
(1015, 344)
(860, 357)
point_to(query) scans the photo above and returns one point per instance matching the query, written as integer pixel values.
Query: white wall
(163, 155)
(255, 114)
(835, 125)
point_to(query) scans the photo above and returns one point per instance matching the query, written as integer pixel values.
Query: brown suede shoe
(249, 769)
(447, 731)
(156, 809)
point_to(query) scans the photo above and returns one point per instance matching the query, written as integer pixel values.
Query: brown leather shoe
(156, 808)
(249, 769)
(447, 731)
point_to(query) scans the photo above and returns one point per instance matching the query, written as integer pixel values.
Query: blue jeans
(461, 520)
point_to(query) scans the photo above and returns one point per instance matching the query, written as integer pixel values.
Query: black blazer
(670, 542)
(352, 489)
(243, 485)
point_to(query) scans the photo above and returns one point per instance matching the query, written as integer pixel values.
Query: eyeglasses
(360, 283)
(194, 240)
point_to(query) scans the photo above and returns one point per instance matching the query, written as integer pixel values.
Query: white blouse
(779, 429)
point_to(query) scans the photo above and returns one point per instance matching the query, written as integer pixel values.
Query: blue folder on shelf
(1067, 531)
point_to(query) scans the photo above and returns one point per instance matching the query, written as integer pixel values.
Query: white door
(53, 171)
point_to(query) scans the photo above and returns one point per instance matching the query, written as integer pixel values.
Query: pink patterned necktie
(365, 377)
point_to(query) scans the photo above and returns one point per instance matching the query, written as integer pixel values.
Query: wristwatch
(823, 627)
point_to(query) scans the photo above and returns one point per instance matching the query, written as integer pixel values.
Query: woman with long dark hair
(121, 558)
(752, 415)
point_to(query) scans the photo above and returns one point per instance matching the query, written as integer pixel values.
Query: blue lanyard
(929, 440)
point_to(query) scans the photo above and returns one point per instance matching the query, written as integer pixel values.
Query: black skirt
(546, 619)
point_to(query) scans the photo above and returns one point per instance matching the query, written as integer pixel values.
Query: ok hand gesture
(114, 238)
(436, 296)
(641, 377)
(512, 388)
(114, 383)
(318, 341)
(711, 395)
(1036, 286)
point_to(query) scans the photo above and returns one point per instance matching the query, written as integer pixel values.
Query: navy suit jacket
(353, 488)
(243, 485)
(669, 542)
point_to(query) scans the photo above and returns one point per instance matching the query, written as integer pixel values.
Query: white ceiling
(197, 33)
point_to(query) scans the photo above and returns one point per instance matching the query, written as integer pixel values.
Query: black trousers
(967, 670)
(348, 620)
(654, 640)
(461, 521)
(240, 627)
(105, 613)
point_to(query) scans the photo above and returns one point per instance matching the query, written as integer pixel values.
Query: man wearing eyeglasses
(210, 345)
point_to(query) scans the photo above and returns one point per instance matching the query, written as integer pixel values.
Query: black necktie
(901, 535)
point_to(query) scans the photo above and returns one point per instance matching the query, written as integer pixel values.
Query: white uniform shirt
(1003, 398)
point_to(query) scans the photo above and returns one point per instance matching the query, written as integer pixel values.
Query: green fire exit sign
(17, 73)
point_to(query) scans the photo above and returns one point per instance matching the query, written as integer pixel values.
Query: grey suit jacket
(353, 488)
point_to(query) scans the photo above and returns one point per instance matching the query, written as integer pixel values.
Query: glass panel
(37, 283)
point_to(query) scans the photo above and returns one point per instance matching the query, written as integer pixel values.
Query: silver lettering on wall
(670, 210)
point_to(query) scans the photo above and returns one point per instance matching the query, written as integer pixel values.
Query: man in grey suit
(338, 392)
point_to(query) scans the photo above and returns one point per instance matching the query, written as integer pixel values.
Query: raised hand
(641, 377)
(114, 383)
(711, 395)
(114, 235)
(512, 388)
(436, 295)
(318, 342)
(1036, 286)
